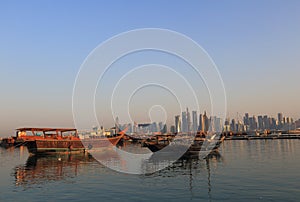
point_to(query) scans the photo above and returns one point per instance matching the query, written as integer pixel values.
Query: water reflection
(39, 170)
(192, 162)
(43, 169)
(247, 170)
(188, 164)
(192, 167)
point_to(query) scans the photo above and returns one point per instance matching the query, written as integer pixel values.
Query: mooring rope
(21, 144)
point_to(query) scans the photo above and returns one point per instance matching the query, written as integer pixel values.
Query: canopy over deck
(47, 129)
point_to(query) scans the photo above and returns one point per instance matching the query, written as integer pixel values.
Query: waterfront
(250, 170)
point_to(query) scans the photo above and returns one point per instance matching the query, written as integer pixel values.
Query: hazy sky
(255, 45)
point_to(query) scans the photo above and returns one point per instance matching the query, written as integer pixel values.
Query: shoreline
(264, 137)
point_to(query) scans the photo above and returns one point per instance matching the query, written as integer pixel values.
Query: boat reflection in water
(42, 169)
(184, 162)
(192, 168)
(39, 170)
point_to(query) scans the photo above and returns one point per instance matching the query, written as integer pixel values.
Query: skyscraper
(188, 119)
(280, 120)
(260, 123)
(206, 122)
(246, 119)
(254, 123)
(160, 126)
(177, 124)
(164, 129)
(195, 121)
(184, 122)
(172, 129)
(218, 125)
(233, 125)
(153, 127)
(201, 123)
(227, 125)
(212, 123)
(273, 124)
(266, 122)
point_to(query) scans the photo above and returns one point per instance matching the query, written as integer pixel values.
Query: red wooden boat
(66, 140)
(98, 142)
(193, 148)
(50, 140)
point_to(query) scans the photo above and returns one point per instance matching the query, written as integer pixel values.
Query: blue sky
(255, 45)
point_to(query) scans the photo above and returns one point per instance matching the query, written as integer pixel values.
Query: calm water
(256, 170)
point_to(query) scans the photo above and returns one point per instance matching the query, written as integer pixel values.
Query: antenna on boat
(117, 125)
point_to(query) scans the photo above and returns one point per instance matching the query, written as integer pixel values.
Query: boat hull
(54, 146)
(193, 149)
(7, 142)
(101, 142)
(196, 147)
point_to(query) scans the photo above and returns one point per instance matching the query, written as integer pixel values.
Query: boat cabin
(57, 133)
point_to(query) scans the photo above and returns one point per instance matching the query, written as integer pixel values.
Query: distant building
(188, 119)
(172, 129)
(177, 124)
(215, 124)
(297, 123)
(218, 125)
(260, 123)
(227, 125)
(153, 127)
(201, 123)
(143, 128)
(280, 120)
(273, 124)
(164, 129)
(233, 125)
(160, 126)
(246, 119)
(206, 122)
(255, 124)
(129, 128)
(195, 121)
(266, 122)
(184, 122)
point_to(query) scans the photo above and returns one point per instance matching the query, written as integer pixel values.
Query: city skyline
(184, 124)
(255, 46)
